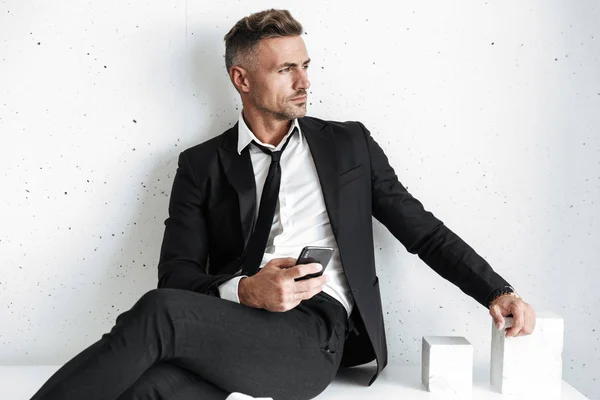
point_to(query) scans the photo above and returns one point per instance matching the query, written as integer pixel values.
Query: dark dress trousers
(212, 209)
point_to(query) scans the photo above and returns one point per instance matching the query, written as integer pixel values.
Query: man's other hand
(523, 315)
(274, 288)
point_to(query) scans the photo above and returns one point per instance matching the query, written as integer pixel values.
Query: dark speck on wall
(134, 121)
(65, 192)
(492, 43)
(39, 43)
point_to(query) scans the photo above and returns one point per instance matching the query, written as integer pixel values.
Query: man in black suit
(229, 315)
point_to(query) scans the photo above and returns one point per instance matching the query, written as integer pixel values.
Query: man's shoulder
(208, 148)
(338, 126)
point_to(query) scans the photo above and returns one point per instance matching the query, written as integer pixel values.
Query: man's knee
(157, 300)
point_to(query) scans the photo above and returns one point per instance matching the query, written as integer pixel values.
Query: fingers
(285, 292)
(524, 318)
(310, 284)
(298, 271)
(282, 263)
(529, 321)
(299, 296)
(286, 299)
(518, 313)
(306, 289)
(523, 322)
(496, 314)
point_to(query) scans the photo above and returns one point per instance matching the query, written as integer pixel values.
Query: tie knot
(275, 155)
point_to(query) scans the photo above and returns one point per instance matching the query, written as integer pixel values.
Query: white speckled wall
(490, 113)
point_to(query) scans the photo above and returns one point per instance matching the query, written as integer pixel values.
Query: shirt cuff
(229, 289)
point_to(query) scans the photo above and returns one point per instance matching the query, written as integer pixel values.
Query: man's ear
(239, 77)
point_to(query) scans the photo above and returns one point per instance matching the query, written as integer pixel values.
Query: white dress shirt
(300, 215)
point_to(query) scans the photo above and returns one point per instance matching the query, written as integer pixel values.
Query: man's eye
(285, 69)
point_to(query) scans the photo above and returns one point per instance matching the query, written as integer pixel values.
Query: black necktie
(268, 201)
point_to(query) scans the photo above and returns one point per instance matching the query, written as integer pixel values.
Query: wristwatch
(504, 290)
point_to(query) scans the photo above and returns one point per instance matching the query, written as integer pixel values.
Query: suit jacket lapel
(322, 147)
(239, 172)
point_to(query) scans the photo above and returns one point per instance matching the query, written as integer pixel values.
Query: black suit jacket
(211, 217)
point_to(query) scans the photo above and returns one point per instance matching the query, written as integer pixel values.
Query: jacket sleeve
(422, 233)
(184, 251)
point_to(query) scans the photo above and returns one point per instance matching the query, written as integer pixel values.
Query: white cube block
(447, 364)
(531, 364)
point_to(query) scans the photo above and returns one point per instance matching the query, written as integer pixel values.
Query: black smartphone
(314, 254)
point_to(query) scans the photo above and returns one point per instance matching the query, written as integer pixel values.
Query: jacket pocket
(351, 175)
(333, 339)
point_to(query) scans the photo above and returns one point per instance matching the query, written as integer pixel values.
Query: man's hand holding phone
(283, 283)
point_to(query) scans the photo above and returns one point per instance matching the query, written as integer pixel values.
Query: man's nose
(302, 81)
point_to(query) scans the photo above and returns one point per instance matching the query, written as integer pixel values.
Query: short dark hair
(243, 39)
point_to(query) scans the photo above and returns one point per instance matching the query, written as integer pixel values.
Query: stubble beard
(291, 110)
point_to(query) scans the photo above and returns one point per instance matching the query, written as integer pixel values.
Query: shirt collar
(245, 135)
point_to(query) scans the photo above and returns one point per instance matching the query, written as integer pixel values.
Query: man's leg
(166, 381)
(290, 355)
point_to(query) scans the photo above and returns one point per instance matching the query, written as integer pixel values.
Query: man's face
(279, 84)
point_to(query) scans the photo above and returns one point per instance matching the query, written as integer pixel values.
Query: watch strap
(500, 292)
